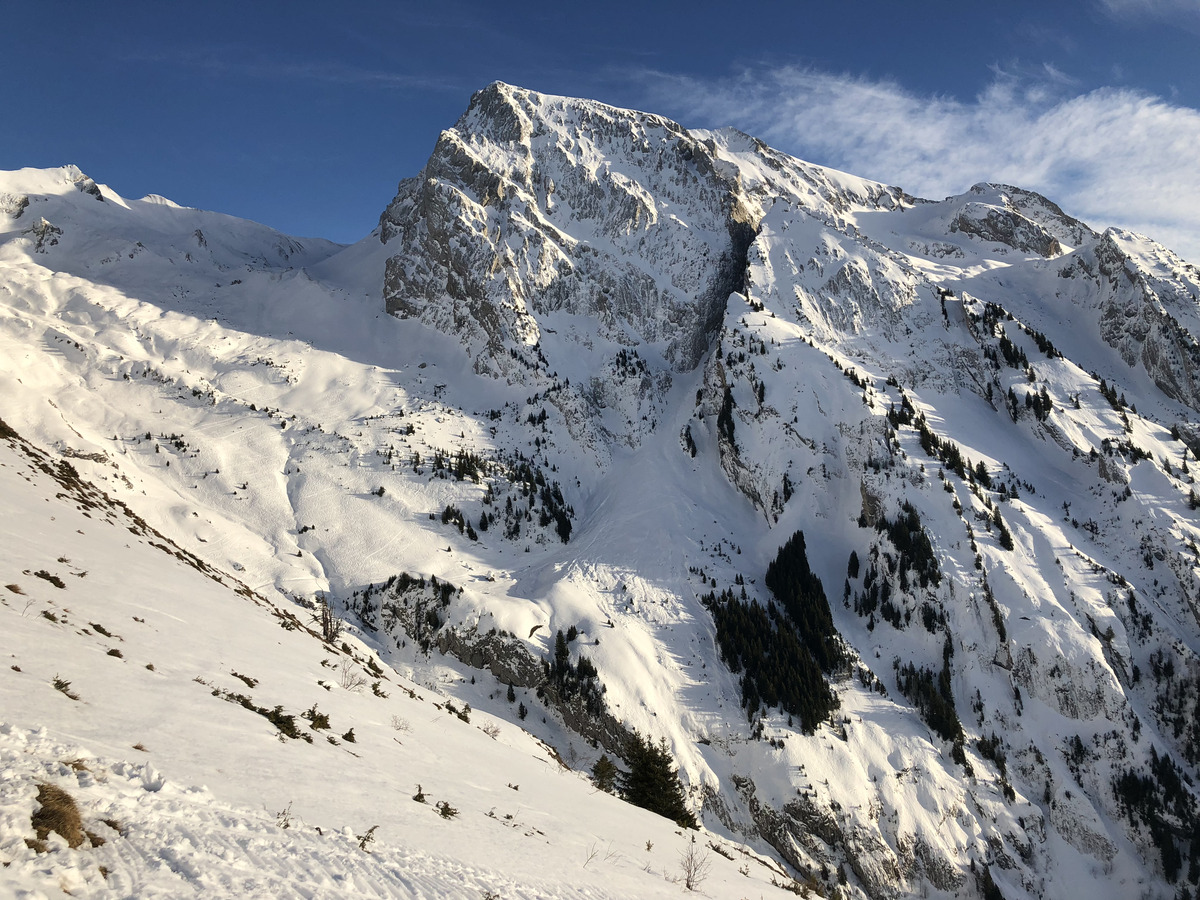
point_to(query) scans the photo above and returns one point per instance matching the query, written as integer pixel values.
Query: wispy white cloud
(232, 62)
(1110, 156)
(1181, 12)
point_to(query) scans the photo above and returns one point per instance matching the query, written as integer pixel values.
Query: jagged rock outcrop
(1138, 319)
(1047, 214)
(13, 204)
(521, 213)
(1004, 226)
(86, 185)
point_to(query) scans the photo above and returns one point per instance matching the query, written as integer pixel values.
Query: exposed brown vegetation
(57, 813)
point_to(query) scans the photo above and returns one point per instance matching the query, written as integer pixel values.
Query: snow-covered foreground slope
(189, 791)
(625, 364)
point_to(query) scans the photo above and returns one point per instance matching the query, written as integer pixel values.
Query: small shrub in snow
(694, 865)
(349, 677)
(366, 839)
(317, 720)
(53, 579)
(331, 625)
(283, 818)
(245, 679)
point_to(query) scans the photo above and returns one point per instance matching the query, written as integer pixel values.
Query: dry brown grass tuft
(58, 813)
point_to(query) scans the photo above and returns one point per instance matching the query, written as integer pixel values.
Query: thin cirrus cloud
(1109, 156)
(229, 62)
(1183, 12)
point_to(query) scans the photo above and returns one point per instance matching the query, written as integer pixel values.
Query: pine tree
(981, 474)
(604, 774)
(512, 694)
(1004, 535)
(562, 656)
(652, 782)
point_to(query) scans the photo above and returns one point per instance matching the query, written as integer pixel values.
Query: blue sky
(304, 115)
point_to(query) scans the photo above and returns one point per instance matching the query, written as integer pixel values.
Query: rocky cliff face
(1148, 312)
(524, 212)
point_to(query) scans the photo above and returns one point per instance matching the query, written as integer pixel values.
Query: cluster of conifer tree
(1040, 403)
(651, 782)
(1162, 803)
(574, 679)
(802, 595)
(934, 700)
(775, 667)
(782, 650)
(725, 426)
(406, 603)
(536, 491)
(941, 448)
(911, 541)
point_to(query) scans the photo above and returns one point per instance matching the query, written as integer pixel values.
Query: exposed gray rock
(1045, 213)
(87, 186)
(508, 223)
(45, 235)
(13, 204)
(1005, 227)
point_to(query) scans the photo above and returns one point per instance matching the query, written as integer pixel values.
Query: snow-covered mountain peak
(557, 237)
(878, 513)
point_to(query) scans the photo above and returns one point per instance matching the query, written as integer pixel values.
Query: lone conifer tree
(562, 656)
(604, 774)
(652, 782)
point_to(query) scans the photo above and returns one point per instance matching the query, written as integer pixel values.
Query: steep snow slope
(625, 363)
(178, 726)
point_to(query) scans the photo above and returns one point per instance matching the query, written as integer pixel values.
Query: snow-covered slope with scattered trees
(621, 443)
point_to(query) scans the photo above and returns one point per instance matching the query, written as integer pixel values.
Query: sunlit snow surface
(278, 397)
